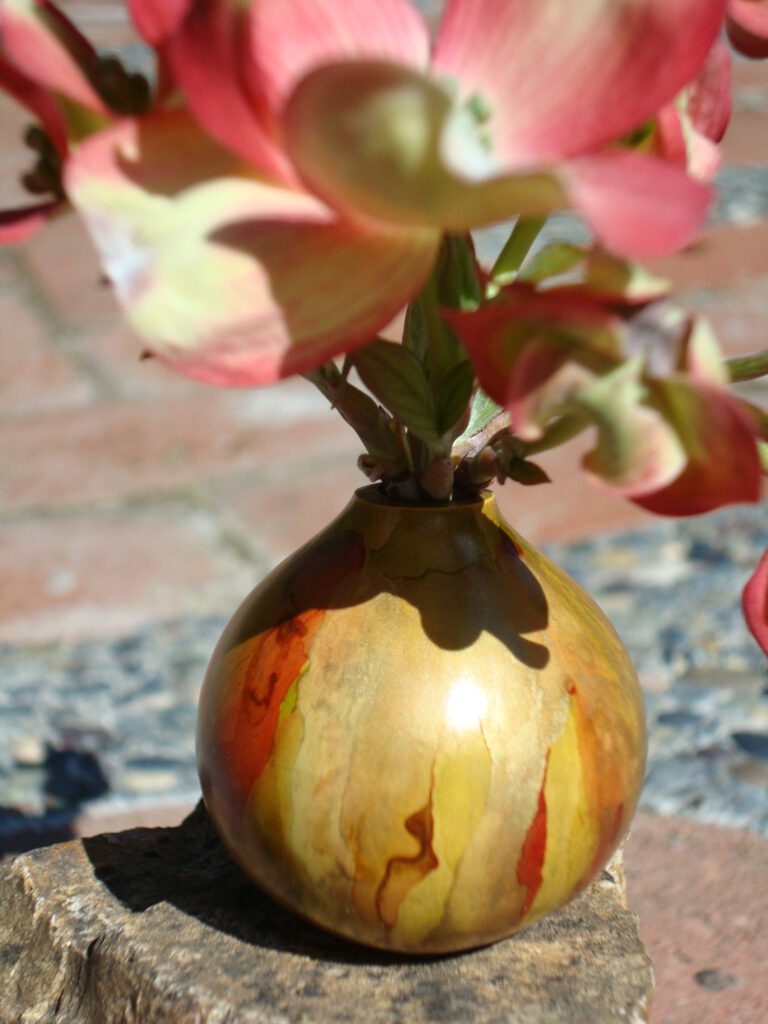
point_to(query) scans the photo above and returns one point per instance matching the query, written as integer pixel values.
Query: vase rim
(370, 494)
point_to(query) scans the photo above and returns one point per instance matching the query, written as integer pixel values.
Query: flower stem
(517, 247)
(748, 367)
(562, 430)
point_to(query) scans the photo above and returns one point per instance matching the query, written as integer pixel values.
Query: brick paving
(128, 495)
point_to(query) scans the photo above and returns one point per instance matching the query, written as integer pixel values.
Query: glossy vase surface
(418, 732)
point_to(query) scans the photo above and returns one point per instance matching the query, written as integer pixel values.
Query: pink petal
(747, 25)
(158, 20)
(563, 77)
(710, 102)
(638, 206)
(669, 139)
(46, 47)
(381, 140)
(210, 58)
(18, 225)
(230, 279)
(294, 37)
(39, 102)
(723, 466)
(385, 141)
(754, 602)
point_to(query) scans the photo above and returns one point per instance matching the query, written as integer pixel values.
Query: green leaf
(416, 331)
(483, 411)
(552, 261)
(396, 378)
(453, 394)
(459, 281)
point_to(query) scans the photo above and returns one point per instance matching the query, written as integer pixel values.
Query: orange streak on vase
(248, 724)
(530, 866)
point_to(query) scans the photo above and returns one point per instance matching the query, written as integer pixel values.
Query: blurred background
(137, 509)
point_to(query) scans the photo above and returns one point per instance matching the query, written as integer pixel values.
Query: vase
(418, 732)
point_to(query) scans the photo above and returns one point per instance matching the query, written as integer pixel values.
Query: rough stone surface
(158, 925)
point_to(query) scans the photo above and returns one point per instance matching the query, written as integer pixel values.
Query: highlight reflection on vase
(420, 733)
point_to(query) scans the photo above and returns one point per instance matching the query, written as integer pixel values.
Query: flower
(348, 146)
(747, 24)
(48, 67)
(605, 352)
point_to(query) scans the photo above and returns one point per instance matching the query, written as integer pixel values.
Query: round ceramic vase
(420, 733)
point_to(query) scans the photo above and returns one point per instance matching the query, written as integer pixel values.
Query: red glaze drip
(404, 872)
(530, 867)
(247, 733)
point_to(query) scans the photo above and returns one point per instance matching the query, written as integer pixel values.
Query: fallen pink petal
(755, 603)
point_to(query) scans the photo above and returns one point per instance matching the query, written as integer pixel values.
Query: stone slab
(154, 926)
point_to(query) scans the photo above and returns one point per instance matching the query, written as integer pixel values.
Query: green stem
(566, 428)
(748, 367)
(517, 247)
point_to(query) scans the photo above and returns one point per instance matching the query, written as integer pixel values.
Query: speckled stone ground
(109, 725)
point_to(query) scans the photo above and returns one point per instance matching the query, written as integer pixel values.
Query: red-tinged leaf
(529, 474)
(46, 47)
(747, 25)
(230, 279)
(564, 77)
(617, 283)
(637, 452)
(718, 434)
(754, 602)
(158, 20)
(547, 327)
(18, 225)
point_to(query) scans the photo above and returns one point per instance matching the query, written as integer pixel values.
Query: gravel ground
(110, 725)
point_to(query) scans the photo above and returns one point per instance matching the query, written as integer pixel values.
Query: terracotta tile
(701, 897)
(725, 255)
(739, 314)
(277, 515)
(110, 451)
(62, 262)
(746, 141)
(34, 376)
(93, 575)
(750, 74)
(569, 508)
(113, 352)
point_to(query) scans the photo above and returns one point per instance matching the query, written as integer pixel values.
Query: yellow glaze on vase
(418, 732)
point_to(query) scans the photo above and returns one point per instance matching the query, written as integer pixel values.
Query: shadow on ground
(189, 868)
